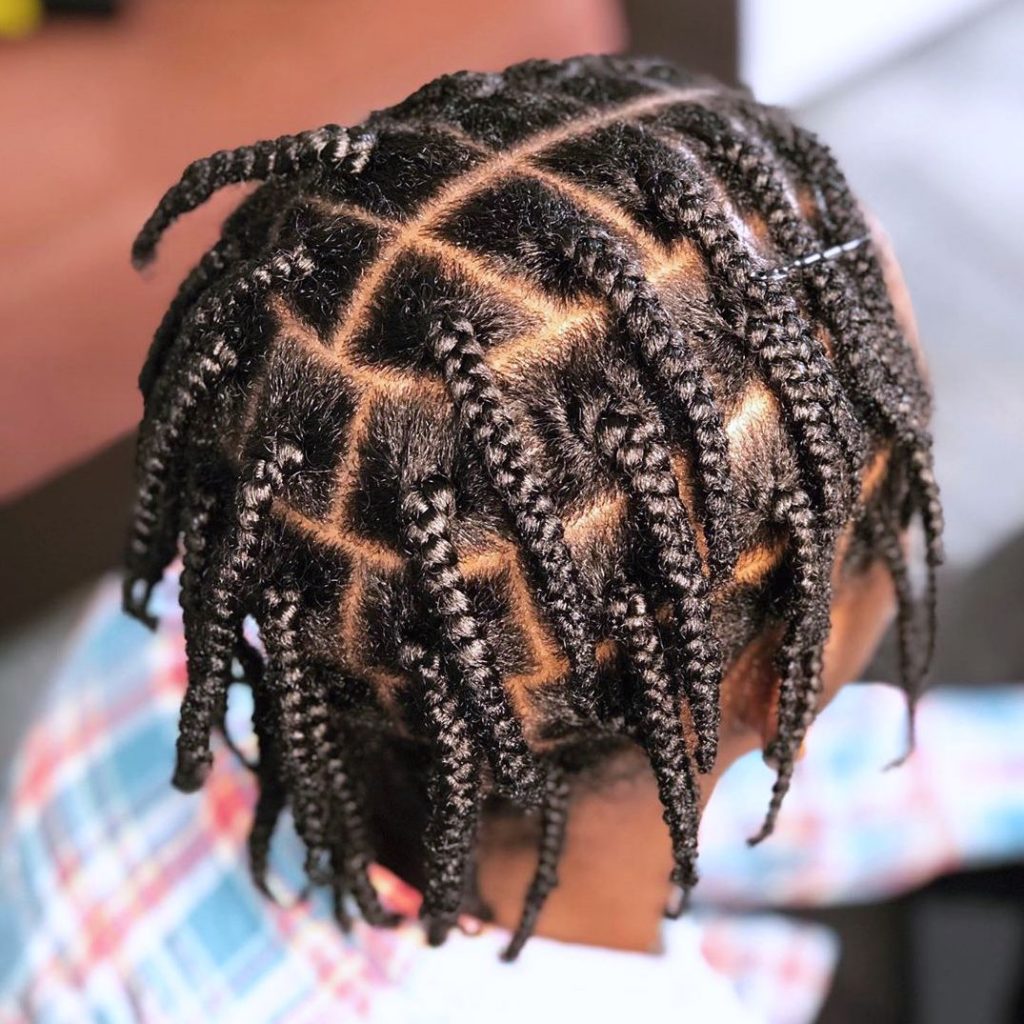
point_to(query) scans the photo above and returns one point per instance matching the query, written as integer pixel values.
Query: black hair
(483, 411)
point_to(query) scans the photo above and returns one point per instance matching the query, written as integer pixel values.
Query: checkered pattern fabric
(123, 900)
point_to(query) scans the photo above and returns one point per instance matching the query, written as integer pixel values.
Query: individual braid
(800, 657)
(604, 265)
(230, 581)
(912, 666)
(554, 818)
(251, 666)
(453, 345)
(161, 451)
(352, 852)
(661, 730)
(285, 156)
(198, 532)
(211, 268)
(244, 233)
(271, 794)
(427, 511)
(455, 792)
(301, 702)
(636, 448)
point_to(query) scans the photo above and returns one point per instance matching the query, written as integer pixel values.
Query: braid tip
(259, 879)
(143, 251)
(762, 833)
(135, 600)
(278, 895)
(679, 902)
(383, 918)
(437, 929)
(511, 952)
(901, 759)
(190, 772)
(318, 869)
(342, 917)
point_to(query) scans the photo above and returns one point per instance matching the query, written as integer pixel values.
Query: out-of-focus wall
(792, 50)
(100, 115)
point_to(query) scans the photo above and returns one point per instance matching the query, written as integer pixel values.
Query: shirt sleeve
(124, 900)
(854, 827)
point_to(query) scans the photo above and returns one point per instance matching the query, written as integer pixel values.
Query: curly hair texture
(510, 417)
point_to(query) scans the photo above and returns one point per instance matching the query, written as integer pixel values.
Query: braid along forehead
(509, 417)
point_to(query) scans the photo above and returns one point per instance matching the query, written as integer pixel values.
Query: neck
(613, 885)
(612, 888)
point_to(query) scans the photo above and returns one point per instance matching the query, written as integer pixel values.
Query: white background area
(793, 50)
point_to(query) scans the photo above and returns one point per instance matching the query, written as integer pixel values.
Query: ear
(750, 692)
(896, 285)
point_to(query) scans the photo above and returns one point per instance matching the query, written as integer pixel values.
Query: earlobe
(750, 693)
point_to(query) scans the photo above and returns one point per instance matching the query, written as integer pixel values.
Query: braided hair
(509, 417)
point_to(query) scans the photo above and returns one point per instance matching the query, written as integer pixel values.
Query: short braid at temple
(508, 418)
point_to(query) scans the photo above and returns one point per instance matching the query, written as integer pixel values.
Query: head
(548, 421)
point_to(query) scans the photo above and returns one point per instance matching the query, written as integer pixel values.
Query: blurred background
(103, 102)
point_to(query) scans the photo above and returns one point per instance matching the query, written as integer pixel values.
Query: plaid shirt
(123, 900)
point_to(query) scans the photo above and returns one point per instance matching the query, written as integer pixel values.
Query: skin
(613, 886)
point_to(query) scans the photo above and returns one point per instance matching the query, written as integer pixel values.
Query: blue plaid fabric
(123, 900)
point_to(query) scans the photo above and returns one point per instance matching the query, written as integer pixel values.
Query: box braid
(428, 509)
(270, 803)
(902, 402)
(243, 234)
(807, 628)
(351, 848)
(636, 447)
(300, 699)
(455, 793)
(452, 343)
(458, 411)
(633, 624)
(285, 157)
(554, 818)
(250, 663)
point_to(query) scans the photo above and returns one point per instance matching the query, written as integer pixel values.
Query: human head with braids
(559, 431)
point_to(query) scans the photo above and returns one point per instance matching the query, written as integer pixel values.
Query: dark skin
(613, 886)
(613, 877)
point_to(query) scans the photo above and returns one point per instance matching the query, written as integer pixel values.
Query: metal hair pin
(777, 273)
